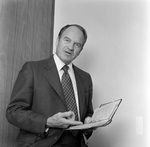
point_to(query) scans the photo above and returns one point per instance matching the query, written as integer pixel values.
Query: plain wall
(117, 57)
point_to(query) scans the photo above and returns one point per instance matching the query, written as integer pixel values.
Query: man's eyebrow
(78, 43)
(67, 38)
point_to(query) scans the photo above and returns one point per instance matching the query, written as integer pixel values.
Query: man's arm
(19, 111)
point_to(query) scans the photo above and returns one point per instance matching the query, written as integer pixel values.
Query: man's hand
(62, 120)
(86, 121)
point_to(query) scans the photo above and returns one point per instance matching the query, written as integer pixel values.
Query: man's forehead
(73, 32)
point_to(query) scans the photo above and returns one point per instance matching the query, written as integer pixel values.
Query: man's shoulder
(80, 71)
(42, 61)
(39, 62)
(38, 65)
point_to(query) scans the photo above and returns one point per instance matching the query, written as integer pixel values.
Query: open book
(101, 116)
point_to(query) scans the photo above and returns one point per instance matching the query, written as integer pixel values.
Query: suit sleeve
(90, 105)
(19, 111)
(90, 95)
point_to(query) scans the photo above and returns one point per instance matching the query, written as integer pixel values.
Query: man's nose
(71, 46)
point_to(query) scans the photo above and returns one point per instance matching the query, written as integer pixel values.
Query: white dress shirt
(59, 65)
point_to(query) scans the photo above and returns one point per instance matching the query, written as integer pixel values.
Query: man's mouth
(68, 53)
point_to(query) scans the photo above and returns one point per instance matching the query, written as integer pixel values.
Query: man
(38, 104)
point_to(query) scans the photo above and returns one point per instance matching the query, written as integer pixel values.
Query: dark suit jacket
(37, 95)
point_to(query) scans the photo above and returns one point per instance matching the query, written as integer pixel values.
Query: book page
(101, 116)
(104, 112)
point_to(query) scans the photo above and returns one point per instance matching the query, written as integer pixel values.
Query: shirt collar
(60, 64)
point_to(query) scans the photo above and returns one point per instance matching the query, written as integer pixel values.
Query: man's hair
(75, 25)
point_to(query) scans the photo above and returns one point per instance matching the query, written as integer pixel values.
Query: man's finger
(68, 114)
(72, 122)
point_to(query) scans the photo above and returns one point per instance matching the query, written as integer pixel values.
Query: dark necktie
(69, 94)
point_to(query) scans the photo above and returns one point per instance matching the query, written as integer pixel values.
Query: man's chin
(67, 60)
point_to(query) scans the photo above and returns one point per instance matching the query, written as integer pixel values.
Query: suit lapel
(52, 76)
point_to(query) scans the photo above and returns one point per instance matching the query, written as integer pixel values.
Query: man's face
(70, 44)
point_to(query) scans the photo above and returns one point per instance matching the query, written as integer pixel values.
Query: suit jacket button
(56, 138)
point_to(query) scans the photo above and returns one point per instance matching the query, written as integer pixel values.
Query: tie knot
(65, 68)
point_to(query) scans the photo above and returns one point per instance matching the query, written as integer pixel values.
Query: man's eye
(78, 45)
(67, 40)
